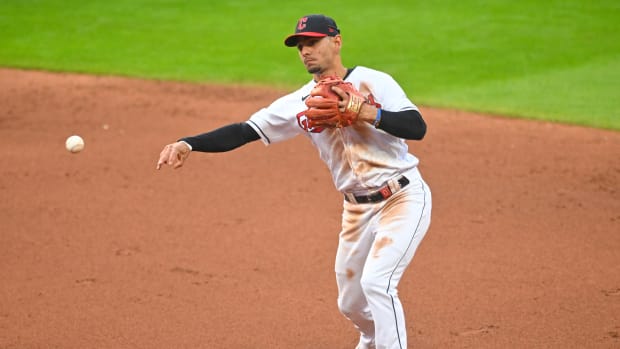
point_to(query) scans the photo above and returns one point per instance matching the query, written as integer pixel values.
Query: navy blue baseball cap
(317, 26)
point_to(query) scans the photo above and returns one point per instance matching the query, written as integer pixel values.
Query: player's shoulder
(303, 90)
(296, 96)
(361, 73)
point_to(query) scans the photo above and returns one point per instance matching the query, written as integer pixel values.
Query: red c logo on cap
(302, 23)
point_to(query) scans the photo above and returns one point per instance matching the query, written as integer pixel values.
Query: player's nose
(305, 50)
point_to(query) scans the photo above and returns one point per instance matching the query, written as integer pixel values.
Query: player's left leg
(403, 223)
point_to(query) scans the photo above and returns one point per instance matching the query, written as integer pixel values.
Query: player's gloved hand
(174, 154)
(335, 103)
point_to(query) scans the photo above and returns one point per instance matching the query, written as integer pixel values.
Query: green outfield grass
(552, 60)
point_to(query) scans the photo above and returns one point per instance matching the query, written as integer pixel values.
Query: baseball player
(358, 119)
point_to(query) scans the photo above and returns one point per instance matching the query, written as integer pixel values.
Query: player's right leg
(354, 243)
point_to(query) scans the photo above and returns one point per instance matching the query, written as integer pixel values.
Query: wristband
(186, 143)
(377, 119)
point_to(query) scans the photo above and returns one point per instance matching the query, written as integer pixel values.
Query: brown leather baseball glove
(323, 109)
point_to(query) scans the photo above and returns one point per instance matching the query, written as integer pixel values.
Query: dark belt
(379, 195)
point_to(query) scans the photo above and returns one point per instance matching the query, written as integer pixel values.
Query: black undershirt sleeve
(223, 139)
(407, 124)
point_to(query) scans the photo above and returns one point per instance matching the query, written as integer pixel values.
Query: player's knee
(346, 307)
(349, 306)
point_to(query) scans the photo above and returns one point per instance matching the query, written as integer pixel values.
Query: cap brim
(291, 40)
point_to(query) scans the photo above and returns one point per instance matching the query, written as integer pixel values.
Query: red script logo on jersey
(302, 121)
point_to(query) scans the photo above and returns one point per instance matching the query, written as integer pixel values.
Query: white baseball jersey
(359, 157)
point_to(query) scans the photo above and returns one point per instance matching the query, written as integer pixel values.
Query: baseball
(74, 144)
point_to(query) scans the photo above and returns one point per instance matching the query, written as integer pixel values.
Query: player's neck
(339, 71)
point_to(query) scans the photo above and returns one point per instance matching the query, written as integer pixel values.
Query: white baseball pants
(376, 244)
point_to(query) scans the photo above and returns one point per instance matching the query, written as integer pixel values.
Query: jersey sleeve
(395, 97)
(278, 121)
(386, 90)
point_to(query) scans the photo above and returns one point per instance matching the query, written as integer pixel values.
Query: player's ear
(337, 40)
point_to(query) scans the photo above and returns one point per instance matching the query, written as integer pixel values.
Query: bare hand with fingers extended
(174, 155)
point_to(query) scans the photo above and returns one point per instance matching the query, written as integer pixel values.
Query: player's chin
(313, 69)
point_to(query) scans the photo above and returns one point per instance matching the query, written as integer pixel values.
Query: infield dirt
(236, 250)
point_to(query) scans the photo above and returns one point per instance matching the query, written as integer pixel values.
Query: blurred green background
(551, 60)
